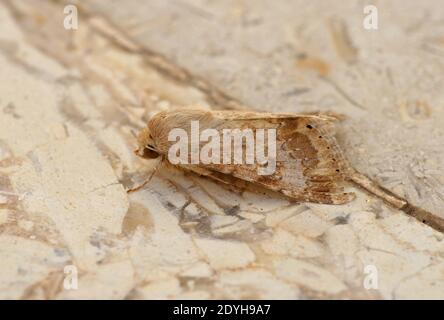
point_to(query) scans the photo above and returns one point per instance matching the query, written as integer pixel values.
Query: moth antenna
(149, 178)
(365, 182)
(396, 201)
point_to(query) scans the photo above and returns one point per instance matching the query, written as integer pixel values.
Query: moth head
(146, 145)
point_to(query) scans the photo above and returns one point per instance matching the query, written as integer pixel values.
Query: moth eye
(309, 126)
(149, 154)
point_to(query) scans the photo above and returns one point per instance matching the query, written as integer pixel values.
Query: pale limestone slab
(25, 262)
(285, 243)
(3, 216)
(274, 218)
(109, 281)
(392, 269)
(254, 284)
(194, 295)
(306, 223)
(70, 101)
(427, 284)
(342, 240)
(165, 251)
(162, 289)
(308, 275)
(222, 254)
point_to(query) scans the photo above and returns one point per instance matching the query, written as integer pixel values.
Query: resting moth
(310, 166)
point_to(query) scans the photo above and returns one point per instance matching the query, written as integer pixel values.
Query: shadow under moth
(309, 164)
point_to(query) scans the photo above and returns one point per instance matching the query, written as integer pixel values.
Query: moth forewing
(304, 163)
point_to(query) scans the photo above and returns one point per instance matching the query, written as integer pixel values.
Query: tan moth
(309, 164)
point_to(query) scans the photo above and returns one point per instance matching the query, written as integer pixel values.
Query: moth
(310, 166)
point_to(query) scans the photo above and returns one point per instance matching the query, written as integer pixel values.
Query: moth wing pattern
(309, 164)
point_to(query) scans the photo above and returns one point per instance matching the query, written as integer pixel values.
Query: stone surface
(70, 101)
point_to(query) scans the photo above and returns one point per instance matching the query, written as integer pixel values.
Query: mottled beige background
(70, 100)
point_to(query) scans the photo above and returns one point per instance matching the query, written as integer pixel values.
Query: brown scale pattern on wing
(309, 162)
(300, 147)
(311, 141)
(306, 164)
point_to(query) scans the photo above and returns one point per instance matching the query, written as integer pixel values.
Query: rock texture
(70, 101)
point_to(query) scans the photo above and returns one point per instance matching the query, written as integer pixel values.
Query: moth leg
(148, 179)
(365, 182)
